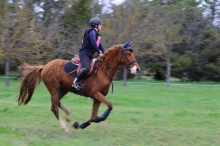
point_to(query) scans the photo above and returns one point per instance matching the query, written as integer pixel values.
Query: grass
(143, 114)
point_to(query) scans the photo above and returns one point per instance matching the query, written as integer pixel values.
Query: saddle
(76, 60)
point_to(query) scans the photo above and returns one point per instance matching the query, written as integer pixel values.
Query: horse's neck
(112, 64)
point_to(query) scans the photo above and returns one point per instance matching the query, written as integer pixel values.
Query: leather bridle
(128, 63)
(123, 47)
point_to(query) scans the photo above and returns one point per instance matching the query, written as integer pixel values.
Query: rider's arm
(101, 48)
(92, 35)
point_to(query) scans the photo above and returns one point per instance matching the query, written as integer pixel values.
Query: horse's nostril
(137, 69)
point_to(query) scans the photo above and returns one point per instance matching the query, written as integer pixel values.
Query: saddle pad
(69, 67)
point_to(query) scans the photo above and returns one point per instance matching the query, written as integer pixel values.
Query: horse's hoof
(76, 125)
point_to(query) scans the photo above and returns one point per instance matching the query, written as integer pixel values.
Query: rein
(105, 67)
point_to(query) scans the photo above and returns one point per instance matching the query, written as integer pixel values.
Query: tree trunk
(7, 68)
(168, 71)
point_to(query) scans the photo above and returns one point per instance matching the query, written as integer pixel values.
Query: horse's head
(128, 59)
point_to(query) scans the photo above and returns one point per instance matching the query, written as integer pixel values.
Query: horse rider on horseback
(91, 43)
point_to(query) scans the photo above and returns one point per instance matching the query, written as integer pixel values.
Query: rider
(90, 45)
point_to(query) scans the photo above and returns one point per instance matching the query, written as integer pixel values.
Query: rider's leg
(85, 62)
(79, 77)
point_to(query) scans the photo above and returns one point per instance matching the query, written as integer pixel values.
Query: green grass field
(143, 114)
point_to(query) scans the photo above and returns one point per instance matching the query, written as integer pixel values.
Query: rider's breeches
(85, 61)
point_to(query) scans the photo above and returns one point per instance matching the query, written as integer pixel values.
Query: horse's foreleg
(95, 109)
(98, 98)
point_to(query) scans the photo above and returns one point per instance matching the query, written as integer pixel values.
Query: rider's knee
(85, 70)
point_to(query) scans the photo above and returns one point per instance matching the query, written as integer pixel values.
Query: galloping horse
(58, 82)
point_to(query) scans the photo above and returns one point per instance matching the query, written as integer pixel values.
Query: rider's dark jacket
(89, 46)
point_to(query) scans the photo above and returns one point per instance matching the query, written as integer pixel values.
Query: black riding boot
(80, 76)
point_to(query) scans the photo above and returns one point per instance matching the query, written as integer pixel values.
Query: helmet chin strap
(97, 26)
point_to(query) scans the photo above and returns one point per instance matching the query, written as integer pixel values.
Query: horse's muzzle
(135, 69)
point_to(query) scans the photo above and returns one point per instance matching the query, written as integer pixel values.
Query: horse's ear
(124, 46)
(129, 44)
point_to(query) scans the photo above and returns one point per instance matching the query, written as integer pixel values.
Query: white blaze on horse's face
(134, 70)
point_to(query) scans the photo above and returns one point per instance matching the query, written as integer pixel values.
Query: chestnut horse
(58, 82)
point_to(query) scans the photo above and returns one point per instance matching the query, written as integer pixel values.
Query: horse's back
(56, 62)
(53, 70)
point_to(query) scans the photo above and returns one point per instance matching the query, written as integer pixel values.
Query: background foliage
(163, 32)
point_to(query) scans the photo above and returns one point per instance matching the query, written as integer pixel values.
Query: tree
(20, 37)
(128, 21)
(165, 36)
(71, 26)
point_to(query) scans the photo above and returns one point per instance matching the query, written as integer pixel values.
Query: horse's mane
(109, 51)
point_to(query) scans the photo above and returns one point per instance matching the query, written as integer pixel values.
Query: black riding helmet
(95, 21)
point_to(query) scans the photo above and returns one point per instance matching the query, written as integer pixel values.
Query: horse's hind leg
(61, 106)
(68, 116)
(54, 108)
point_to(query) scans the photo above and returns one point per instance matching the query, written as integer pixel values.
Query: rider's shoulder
(92, 30)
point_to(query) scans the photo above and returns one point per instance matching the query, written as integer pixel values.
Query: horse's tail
(31, 78)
